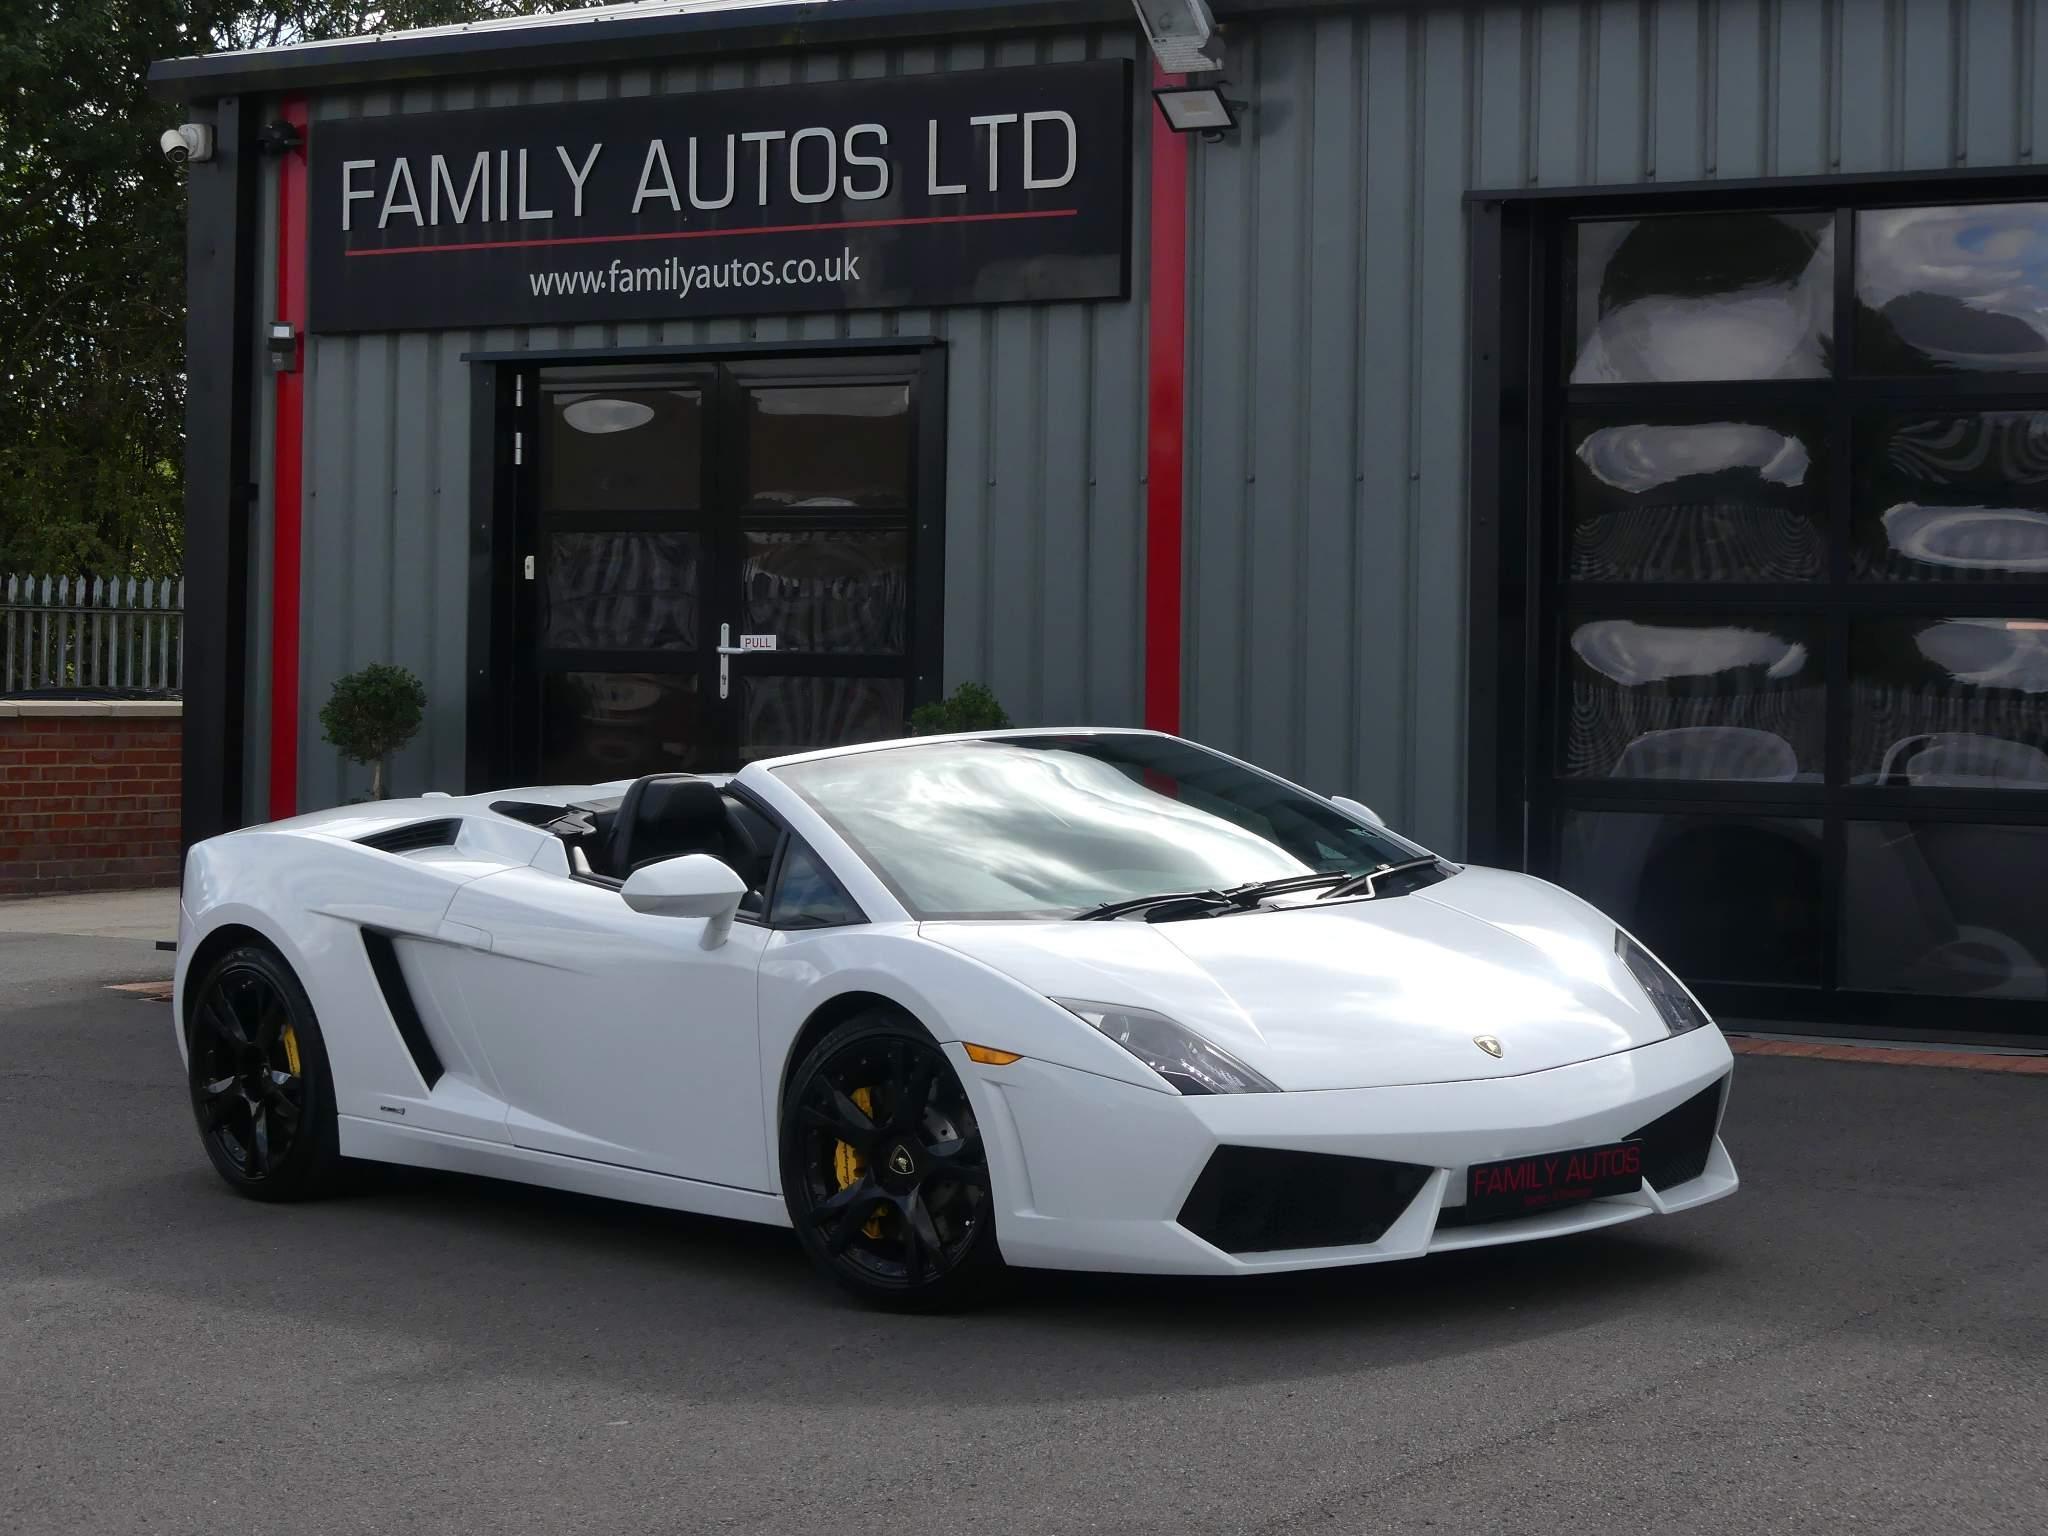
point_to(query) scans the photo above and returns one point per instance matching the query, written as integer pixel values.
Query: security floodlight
(1180, 32)
(1196, 109)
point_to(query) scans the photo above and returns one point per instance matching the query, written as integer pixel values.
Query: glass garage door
(1793, 727)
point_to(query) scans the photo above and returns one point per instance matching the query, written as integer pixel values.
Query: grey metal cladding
(1044, 495)
(1327, 518)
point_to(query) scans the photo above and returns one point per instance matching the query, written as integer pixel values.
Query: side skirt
(418, 1148)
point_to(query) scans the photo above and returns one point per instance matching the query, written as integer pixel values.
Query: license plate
(1522, 1186)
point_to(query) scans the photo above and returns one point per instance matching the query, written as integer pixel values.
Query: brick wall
(88, 796)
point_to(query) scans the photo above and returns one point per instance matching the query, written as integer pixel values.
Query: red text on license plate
(1554, 1178)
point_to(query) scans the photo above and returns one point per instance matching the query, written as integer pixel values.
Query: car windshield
(1057, 825)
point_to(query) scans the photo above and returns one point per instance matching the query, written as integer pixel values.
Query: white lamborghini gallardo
(1085, 999)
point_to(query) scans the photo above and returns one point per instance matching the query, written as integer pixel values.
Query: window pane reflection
(845, 592)
(1670, 700)
(1952, 290)
(840, 445)
(1705, 296)
(614, 725)
(1952, 910)
(621, 591)
(1696, 501)
(797, 714)
(1957, 496)
(1961, 703)
(1717, 898)
(622, 450)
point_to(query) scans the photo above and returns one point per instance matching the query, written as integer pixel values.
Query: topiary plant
(371, 714)
(970, 707)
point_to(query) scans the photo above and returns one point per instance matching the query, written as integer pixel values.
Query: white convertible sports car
(1082, 999)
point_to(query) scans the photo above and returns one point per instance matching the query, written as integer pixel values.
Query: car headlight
(1172, 1050)
(1680, 1013)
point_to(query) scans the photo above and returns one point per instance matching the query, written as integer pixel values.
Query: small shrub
(970, 707)
(371, 714)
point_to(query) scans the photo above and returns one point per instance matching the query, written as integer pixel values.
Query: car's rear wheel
(883, 1167)
(261, 1090)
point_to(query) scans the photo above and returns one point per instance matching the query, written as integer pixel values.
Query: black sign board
(981, 188)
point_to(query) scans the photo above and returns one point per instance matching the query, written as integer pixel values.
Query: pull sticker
(757, 642)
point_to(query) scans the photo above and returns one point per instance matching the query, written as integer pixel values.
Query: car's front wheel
(258, 1071)
(883, 1167)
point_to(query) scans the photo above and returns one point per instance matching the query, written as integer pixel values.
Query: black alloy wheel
(883, 1167)
(259, 1080)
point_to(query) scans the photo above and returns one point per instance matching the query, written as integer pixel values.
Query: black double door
(729, 561)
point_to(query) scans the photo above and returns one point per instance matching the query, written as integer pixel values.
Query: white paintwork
(592, 1046)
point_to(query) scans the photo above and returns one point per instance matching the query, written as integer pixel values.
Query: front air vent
(1677, 1143)
(404, 1012)
(1260, 1199)
(415, 835)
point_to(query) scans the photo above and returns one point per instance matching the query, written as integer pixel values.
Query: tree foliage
(371, 714)
(970, 707)
(92, 247)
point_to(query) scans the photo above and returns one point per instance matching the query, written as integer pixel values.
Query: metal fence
(91, 632)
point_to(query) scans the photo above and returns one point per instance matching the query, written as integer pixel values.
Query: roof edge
(585, 44)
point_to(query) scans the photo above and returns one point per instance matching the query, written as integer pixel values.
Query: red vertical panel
(1166, 420)
(288, 474)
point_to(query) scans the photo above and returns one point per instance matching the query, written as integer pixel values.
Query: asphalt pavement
(1858, 1341)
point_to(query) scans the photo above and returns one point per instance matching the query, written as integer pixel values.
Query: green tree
(970, 707)
(92, 246)
(371, 714)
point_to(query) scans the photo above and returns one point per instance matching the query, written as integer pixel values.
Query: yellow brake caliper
(847, 1166)
(291, 1049)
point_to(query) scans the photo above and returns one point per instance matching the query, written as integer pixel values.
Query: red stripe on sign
(716, 234)
(1166, 427)
(288, 477)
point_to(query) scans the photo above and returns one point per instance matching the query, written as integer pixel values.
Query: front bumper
(1092, 1173)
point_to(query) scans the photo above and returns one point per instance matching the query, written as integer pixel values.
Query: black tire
(883, 1169)
(258, 1075)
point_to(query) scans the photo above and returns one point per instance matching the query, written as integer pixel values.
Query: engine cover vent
(415, 835)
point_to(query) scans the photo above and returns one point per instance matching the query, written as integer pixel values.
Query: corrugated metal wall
(1327, 517)
(1044, 497)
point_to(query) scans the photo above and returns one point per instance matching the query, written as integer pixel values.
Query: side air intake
(415, 835)
(404, 1012)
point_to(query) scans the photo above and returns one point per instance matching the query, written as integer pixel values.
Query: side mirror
(1363, 812)
(694, 885)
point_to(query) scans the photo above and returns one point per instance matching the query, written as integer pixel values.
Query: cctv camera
(188, 141)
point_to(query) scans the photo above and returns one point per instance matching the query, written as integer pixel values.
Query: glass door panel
(828, 446)
(620, 592)
(842, 591)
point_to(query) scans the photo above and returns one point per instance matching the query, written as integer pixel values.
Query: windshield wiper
(1110, 909)
(1238, 897)
(1364, 882)
(1259, 890)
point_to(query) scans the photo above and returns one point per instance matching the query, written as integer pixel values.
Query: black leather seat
(666, 815)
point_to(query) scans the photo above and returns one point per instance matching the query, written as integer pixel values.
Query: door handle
(726, 651)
